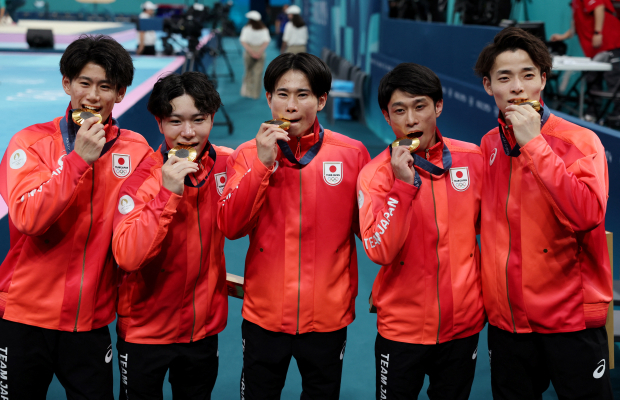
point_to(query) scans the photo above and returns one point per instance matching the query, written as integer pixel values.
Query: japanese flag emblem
(459, 177)
(121, 165)
(332, 173)
(220, 182)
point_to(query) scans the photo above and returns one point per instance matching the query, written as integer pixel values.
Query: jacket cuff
(80, 166)
(169, 199)
(532, 148)
(261, 169)
(404, 189)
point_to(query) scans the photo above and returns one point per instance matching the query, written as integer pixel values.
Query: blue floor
(358, 373)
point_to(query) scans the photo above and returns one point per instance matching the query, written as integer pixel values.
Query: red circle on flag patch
(332, 168)
(459, 174)
(121, 161)
(222, 179)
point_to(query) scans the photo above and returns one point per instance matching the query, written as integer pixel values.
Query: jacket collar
(309, 146)
(507, 136)
(206, 163)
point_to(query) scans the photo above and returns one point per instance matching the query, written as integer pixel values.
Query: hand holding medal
(266, 140)
(90, 138)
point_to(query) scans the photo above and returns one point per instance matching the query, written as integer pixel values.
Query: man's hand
(90, 140)
(402, 164)
(173, 173)
(266, 145)
(525, 122)
(597, 40)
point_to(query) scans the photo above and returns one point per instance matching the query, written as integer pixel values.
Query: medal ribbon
(69, 132)
(310, 154)
(188, 181)
(429, 166)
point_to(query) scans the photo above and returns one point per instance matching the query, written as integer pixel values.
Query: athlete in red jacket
(173, 299)
(294, 194)
(419, 214)
(546, 279)
(60, 182)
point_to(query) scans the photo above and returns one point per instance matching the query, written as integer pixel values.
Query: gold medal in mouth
(284, 124)
(411, 143)
(182, 151)
(534, 103)
(82, 114)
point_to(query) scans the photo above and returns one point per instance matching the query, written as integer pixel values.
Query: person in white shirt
(146, 39)
(295, 36)
(254, 38)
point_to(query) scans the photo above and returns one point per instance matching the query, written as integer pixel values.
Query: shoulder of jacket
(338, 139)
(132, 136)
(378, 167)
(584, 139)
(222, 150)
(460, 146)
(34, 133)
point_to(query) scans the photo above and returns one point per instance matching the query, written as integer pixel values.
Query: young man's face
(414, 116)
(293, 100)
(91, 90)
(186, 125)
(513, 77)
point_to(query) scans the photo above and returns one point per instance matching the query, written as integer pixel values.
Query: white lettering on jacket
(375, 239)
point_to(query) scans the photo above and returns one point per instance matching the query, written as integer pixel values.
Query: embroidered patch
(121, 165)
(18, 159)
(125, 204)
(332, 173)
(459, 177)
(220, 182)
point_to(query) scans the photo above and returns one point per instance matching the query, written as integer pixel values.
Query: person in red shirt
(173, 300)
(293, 193)
(419, 215)
(598, 29)
(58, 280)
(546, 278)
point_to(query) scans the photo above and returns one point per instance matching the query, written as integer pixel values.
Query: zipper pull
(298, 151)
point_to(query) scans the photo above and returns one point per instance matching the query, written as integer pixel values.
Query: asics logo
(473, 356)
(600, 370)
(492, 159)
(108, 355)
(343, 347)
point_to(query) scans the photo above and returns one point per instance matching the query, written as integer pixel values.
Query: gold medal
(80, 115)
(283, 124)
(535, 104)
(187, 152)
(411, 143)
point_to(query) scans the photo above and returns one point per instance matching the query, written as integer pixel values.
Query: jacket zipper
(514, 327)
(199, 262)
(92, 192)
(436, 251)
(299, 263)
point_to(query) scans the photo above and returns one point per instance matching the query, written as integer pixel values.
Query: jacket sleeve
(244, 194)
(142, 218)
(38, 190)
(385, 214)
(364, 158)
(577, 192)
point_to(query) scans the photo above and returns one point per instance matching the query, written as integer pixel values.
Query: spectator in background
(147, 39)
(254, 38)
(598, 29)
(295, 36)
(281, 22)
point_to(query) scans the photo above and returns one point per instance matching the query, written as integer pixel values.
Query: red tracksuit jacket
(428, 290)
(59, 272)
(301, 267)
(545, 266)
(171, 254)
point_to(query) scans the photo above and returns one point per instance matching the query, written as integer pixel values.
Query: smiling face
(513, 77)
(413, 116)
(93, 91)
(186, 125)
(294, 101)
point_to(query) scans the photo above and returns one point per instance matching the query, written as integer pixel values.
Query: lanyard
(515, 152)
(428, 166)
(69, 132)
(188, 181)
(310, 154)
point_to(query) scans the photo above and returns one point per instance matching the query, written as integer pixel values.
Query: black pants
(450, 366)
(30, 356)
(522, 364)
(266, 357)
(143, 367)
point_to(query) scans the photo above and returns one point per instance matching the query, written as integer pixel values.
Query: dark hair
(513, 39)
(412, 78)
(194, 84)
(256, 25)
(298, 21)
(103, 51)
(317, 72)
